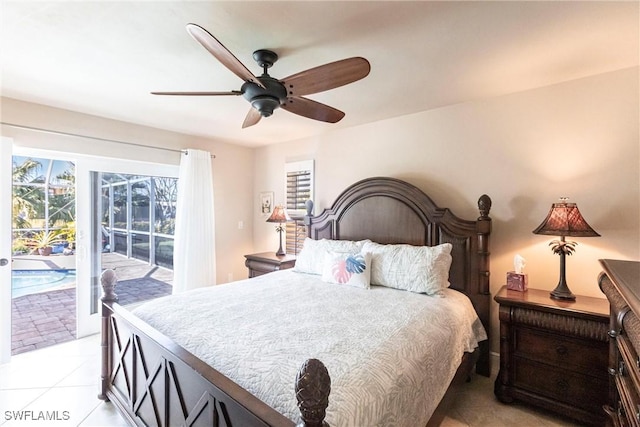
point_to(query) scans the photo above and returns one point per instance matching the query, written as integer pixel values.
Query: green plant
(26, 199)
(18, 246)
(43, 239)
(69, 231)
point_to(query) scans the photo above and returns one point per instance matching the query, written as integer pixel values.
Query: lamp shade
(564, 219)
(279, 215)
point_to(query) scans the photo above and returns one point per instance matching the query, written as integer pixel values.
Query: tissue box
(517, 281)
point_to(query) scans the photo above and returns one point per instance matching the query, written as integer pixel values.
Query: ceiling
(104, 57)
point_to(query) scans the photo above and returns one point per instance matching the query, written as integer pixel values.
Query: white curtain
(194, 257)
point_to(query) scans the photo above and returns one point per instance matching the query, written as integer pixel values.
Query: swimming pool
(24, 282)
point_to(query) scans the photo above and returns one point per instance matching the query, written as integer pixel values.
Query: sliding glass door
(124, 221)
(128, 227)
(5, 249)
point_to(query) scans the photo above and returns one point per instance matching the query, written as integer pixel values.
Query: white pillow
(422, 269)
(347, 269)
(311, 257)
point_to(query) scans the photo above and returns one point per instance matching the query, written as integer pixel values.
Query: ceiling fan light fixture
(265, 104)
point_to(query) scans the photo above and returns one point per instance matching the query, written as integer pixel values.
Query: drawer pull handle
(561, 350)
(562, 385)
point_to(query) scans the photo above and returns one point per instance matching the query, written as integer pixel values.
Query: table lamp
(279, 215)
(564, 219)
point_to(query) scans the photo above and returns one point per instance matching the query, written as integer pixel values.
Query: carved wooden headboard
(392, 211)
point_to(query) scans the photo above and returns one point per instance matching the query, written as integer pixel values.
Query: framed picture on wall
(266, 202)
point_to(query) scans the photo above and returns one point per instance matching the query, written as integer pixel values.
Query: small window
(299, 189)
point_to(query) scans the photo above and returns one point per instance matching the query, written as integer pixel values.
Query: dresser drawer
(620, 282)
(571, 353)
(628, 345)
(628, 380)
(580, 390)
(629, 405)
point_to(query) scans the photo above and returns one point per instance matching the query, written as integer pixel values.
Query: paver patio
(46, 318)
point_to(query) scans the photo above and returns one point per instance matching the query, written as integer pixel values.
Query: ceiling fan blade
(233, 92)
(327, 76)
(312, 109)
(221, 53)
(253, 117)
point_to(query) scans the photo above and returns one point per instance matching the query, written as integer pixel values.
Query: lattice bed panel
(156, 386)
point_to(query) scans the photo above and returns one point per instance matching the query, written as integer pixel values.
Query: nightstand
(266, 262)
(554, 354)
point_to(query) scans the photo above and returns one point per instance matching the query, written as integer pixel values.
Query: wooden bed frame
(154, 381)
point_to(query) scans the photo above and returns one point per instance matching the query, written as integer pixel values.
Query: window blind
(299, 188)
(295, 232)
(298, 191)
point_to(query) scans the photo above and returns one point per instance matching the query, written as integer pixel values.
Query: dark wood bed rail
(153, 381)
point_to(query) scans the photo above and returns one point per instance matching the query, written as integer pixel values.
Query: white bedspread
(391, 354)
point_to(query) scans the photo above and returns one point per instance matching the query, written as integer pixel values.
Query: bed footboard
(153, 381)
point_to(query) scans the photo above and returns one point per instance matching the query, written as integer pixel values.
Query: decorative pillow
(422, 269)
(348, 269)
(311, 257)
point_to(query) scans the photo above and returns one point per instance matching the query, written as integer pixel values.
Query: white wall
(233, 178)
(578, 139)
(525, 150)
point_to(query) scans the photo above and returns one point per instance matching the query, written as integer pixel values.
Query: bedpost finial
(309, 208)
(313, 385)
(484, 205)
(109, 280)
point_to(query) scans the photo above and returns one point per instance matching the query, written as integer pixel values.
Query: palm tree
(62, 201)
(26, 200)
(39, 196)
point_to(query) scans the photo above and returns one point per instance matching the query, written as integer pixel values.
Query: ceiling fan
(266, 93)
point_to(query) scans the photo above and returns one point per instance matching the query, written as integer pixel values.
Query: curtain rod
(57, 132)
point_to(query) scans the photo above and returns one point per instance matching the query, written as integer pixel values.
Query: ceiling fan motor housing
(265, 100)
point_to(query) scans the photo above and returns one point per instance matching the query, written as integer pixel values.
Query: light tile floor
(65, 378)
(60, 381)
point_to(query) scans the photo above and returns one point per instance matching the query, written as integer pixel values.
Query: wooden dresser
(620, 282)
(554, 354)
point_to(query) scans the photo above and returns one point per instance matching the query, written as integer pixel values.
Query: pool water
(25, 282)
